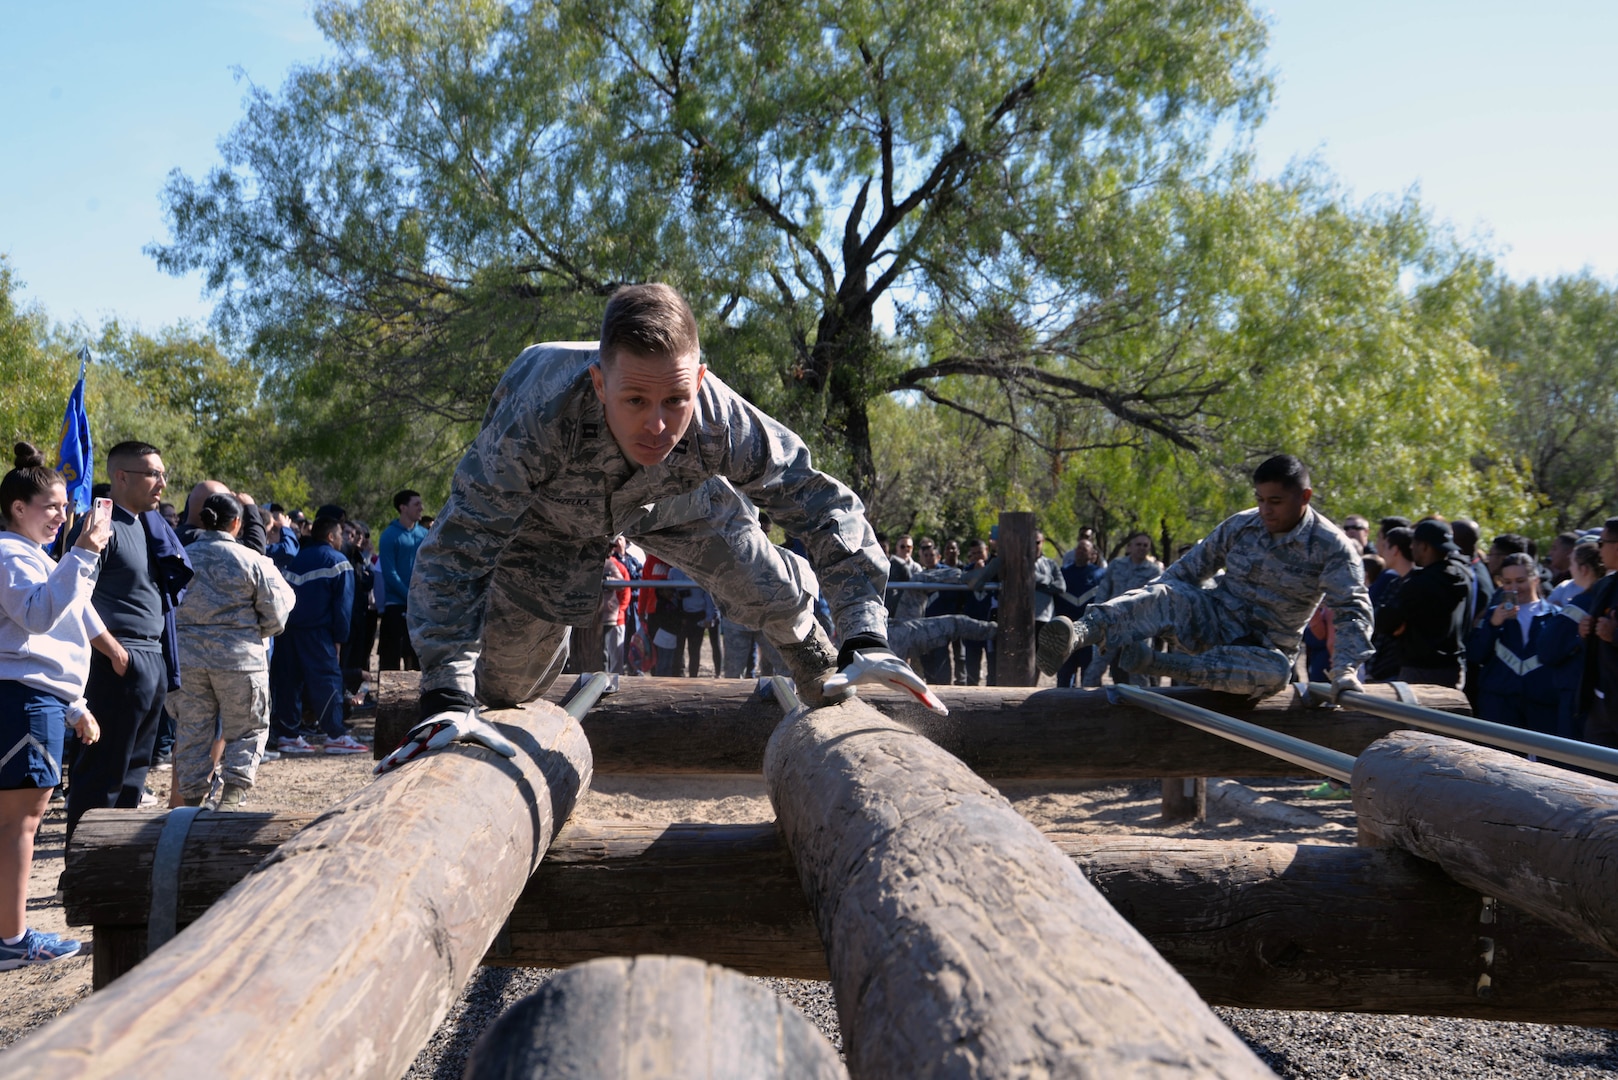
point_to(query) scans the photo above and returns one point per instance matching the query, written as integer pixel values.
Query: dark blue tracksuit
(1518, 684)
(1560, 638)
(306, 653)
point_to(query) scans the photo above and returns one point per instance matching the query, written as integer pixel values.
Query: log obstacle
(1259, 925)
(1003, 733)
(653, 1018)
(340, 954)
(960, 941)
(1539, 837)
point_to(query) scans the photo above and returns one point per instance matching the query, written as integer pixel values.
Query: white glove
(441, 729)
(1346, 681)
(880, 666)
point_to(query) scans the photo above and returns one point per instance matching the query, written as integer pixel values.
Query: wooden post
(1539, 837)
(653, 1018)
(1185, 798)
(341, 953)
(960, 941)
(1014, 644)
(1258, 925)
(1003, 733)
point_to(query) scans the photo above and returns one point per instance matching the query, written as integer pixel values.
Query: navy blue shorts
(32, 726)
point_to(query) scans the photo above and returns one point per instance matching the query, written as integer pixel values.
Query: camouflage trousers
(1224, 654)
(738, 644)
(916, 637)
(756, 584)
(232, 705)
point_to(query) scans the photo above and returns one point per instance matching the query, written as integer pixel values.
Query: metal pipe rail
(1332, 763)
(1569, 751)
(896, 586)
(587, 691)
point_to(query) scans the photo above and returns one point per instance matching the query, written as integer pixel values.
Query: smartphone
(103, 510)
(1509, 601)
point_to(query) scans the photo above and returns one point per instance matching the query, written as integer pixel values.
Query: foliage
(1555, 347)
(35, 376)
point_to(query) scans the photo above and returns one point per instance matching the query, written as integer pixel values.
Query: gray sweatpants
(233, 705)
(1224, 653)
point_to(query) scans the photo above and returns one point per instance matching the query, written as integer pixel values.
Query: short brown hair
(652, 320)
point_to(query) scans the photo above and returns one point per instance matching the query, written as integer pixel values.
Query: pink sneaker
(346, 744)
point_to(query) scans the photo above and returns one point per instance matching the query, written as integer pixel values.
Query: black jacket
(1431, 607)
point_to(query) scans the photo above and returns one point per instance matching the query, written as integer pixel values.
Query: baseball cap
(1435, 533)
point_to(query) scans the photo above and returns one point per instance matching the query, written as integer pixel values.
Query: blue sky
(1504, 115)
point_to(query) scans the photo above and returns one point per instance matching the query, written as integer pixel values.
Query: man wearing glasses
(1358, 529)
(142, 570)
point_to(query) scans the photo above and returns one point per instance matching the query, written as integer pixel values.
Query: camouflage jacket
(544, 488)
(1123, 576)
(236, 600)
(1273, 584)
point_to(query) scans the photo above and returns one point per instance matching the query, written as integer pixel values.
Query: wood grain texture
(1184, 798)
(653, 1018)
(1003, 733)
(340, 954)
(1258, 925)
(960, 941)
(1014, 659)
(1536, 836)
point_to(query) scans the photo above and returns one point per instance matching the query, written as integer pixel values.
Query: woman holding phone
(46, 626)
(1519, 653)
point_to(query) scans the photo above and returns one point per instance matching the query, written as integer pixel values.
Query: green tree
(1555, 347)
(1017, 182)
(36, 374)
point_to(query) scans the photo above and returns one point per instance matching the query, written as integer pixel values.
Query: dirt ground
(32, 997)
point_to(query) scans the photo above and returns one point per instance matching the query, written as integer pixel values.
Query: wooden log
(653, 1018)
(1239, 800)
(1259, 925)
(341, 953)
(1185, 798)
(1016, 663)
(960, 942)
(1003, 733)
(1536, 836)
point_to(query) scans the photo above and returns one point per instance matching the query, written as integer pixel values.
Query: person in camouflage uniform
(916, 637)
(1132, 570)
(1242, 635)
(236, 600)
(582, 442)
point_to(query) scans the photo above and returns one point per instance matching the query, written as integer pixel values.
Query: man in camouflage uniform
(911, 638)
(1242, 636)
(582, 442)
(1132, 570)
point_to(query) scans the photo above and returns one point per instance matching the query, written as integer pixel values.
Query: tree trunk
(960, 942)
(653, 1018)
(1014, 645)
(1541, 838)
(343, 951)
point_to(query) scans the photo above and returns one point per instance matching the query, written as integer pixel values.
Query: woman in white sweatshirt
(46, 626)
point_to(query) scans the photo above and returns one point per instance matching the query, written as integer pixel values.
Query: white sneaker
(346, 744)
(296, 745)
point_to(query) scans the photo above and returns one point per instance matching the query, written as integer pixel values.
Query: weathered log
(960, 941)
(1239, 800)
(653, 1018)
(1003, 733)
(1262, 925)
(341, 953)
(1185, 798)
(1014, 657)
(1536, 836)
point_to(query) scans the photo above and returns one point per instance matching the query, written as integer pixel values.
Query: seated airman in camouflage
(1243, 634)
(582, 442)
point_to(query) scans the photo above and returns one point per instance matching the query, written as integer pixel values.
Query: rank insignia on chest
(589, 431)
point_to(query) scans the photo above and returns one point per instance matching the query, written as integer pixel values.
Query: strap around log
(1403, 693)
(160, 923)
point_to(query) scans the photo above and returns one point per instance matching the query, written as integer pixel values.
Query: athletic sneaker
(298, 745)
(346, 744)
(36, 947)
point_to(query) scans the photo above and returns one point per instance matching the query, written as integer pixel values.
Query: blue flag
(76, 460)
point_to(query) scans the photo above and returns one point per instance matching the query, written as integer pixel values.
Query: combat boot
(811, 662)
(1059, 637)
(232, 797)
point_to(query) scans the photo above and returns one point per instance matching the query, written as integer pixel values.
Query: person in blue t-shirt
(397, 561)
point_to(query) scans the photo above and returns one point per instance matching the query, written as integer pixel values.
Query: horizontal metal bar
(785, 694)
(586, 692)
(1599, 759)
(1332, 763)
